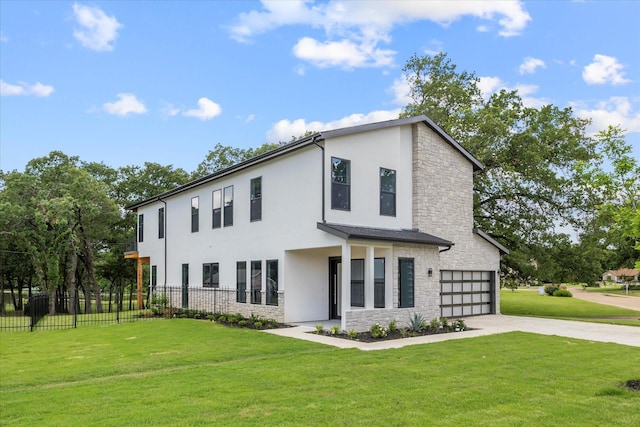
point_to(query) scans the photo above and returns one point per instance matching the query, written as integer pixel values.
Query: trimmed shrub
(378, 331)
(550, 289)
(562, 293)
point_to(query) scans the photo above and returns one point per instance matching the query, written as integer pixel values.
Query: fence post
(75, 309)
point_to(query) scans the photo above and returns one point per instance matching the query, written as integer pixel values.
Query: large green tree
(222, 157)
(532, 184)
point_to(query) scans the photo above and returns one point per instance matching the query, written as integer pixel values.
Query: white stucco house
(364, 224)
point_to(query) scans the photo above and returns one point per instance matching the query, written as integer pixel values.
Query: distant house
(364, 224)
(621, 276)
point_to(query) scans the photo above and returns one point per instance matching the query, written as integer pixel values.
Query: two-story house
(364, 224)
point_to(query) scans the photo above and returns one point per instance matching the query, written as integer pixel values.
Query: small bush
(242, 323)
(393, 326)
(319, 329)
(445, 323)
(562, 293)
(459, 325)
(550, 289)
(257, 325)
(335, 330)
(434, 324)
(378, 331)
(352, 334)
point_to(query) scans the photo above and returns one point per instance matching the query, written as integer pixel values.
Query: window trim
(255, 211)
(388, 193)
(345, 186)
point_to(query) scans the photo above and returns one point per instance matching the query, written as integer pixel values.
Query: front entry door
(335, 287)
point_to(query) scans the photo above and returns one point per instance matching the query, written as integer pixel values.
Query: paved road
(622, 301)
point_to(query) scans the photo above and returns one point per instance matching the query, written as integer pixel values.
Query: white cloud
(530, 65)
(207, 110)
(353, 30)
(604, 69)
(285, 129)
(169, 111)
(491, 85)
(97, 30)
(3, 38)
(400, 90)
(616, 111)
(127, 104)
(25, 89)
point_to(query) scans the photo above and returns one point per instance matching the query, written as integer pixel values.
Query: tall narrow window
(357, 283)
(161, 223)
(211, 275)
(185, 285)
(217, 208)
(387, 192)
(241, 281)
(195, 214)
(228, 206)
(154, 278)
(272, 282)
(140, 227)
(378, 283)
(256, 199)
(340, 184)
(256, 282)
(405, 282)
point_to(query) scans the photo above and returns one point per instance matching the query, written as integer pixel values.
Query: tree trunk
(88, 262)
(71, 277)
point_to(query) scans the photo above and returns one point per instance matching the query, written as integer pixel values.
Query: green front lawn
(184, 372)
(616, 290)
(530, 303)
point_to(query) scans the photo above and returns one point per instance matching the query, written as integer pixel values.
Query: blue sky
(125, 82)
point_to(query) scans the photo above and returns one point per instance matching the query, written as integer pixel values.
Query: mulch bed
(394, 335)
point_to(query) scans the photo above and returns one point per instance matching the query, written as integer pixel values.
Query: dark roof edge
(491, 240)
(427, 239)
(280, 151)
(477, 165)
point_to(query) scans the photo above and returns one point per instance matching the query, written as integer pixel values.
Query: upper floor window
(161, 223)
(211, 275)
(340, 184)
(195, 214)
(228, 206)
(256, 199)
(217, 208)
(387, 192)
(140, 227)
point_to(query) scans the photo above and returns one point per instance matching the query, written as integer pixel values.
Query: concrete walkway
(622, 301)
(485, 325)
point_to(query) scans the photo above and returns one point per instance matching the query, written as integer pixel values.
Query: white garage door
(466, 293)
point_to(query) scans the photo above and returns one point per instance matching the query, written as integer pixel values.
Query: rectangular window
(405, 282)
(256, 282)
(185, 285)
(228, 206)
(387, 192)
(161, 223)
(154, 278)
(217, 208)
(241, 281)
(211, 275)
(340, 184)
(195, 214)
(378, 283)
(357, 283)
(256, 199)
(140, 227)
(272, 282)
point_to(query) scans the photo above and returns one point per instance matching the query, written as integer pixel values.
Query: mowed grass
(616, 290)
(530, 303)
(184, 372)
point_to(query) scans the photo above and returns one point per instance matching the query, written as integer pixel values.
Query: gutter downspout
(323, 176)
(448, 248)
(165, 246)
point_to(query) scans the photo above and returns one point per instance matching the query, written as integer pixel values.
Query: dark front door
(335, 287)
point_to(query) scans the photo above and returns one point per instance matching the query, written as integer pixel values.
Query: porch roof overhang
(352, 232)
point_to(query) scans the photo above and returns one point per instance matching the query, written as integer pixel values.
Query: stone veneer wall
(426, 292)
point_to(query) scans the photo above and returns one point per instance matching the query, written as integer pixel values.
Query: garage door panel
(465, 293)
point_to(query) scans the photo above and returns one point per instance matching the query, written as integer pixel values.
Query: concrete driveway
(486, 325)
(622, 301)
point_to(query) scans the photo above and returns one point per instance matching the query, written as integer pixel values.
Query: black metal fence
(65, 310)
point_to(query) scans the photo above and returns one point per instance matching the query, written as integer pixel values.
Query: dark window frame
(357, 285)
(272, 284)
(241, 281)
(161, 223)
(387, 194)
(211, 275)
(379, 297)
(256, 199)
(141, 228)
(195, 214)
(216, 215)
(256, 282)
(340, 184)
(406, 290)
(227, 219)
